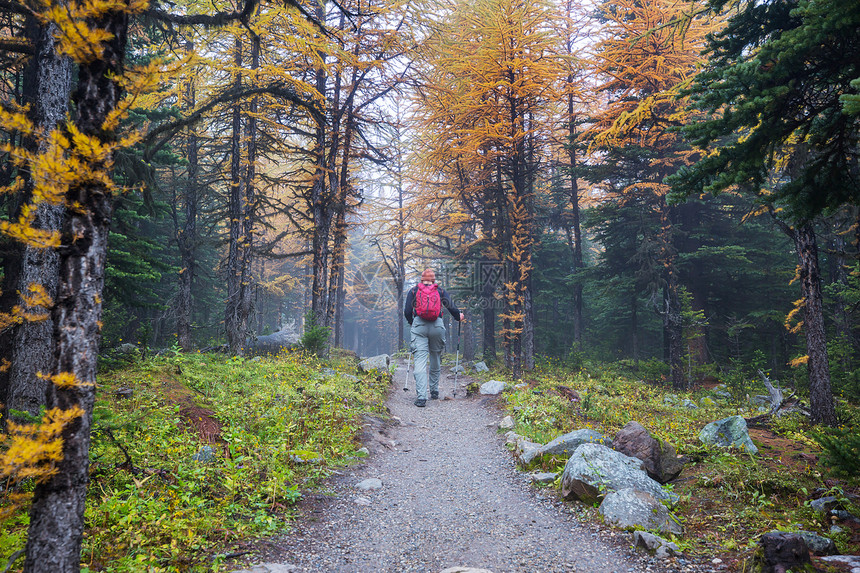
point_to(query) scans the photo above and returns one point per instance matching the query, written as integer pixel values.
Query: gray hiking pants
(427, 343)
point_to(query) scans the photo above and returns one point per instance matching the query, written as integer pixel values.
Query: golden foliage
(32, 451)
(79, 35)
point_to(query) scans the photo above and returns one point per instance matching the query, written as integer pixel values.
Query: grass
(728, 498)
(275, 427)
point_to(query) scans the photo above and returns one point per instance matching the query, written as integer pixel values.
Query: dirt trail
(450, 496)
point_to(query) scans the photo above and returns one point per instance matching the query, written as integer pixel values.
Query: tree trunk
(672, 323)
(320, 202)
(47, 86)
(576, 228)
(187, 239)
(820, 396)
(634, 327)
(488, 343)
(235, 214)
(57, 513)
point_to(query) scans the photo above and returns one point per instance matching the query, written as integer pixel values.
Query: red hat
(428, 275)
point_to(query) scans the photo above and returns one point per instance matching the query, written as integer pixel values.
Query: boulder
(781, 551)
(595, 470)
(565, 445)
(526, 450)
(492, 387)
(728, 432)
(818, 544)
(628, 508)
(659, 458)
(274, 343)
(507, 423)
(481, 367)
(379, 363)
(654, 544)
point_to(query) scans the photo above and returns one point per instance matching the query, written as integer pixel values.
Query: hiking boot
(434, 395)
(420, 402)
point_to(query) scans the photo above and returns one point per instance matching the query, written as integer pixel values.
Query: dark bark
(30, 345)
(235, 215)
(820, 395)
(672, 323)
(242, 213)
(56, 516)
(187, 237)
(575, 223)
(320, 203)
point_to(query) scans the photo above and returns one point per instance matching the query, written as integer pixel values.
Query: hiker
(423, 311)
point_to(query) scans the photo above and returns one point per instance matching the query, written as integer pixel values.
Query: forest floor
(451, 495)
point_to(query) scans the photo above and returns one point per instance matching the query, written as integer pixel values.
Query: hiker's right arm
(409, 306)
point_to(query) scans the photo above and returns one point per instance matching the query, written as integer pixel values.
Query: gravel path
(450, 496)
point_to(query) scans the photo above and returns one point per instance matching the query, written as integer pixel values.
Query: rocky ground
(448, 494)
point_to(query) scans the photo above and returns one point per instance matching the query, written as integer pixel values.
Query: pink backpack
(428, 303)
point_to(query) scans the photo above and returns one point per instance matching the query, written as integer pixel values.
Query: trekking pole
(457, 360)
(408, 366)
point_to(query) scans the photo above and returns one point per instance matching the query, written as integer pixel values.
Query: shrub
(316, 337)
(840, 450)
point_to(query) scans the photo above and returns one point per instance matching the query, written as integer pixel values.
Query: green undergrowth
(273, 428)
(728, 498)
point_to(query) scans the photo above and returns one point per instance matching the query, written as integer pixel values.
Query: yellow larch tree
(643, 62)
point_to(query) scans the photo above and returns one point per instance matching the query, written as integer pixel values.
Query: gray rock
(349, 376)
(328, 372)
(128, 350)
(707, 402)
(507, 423)
(723, 394)
(363, 451)
(512, 437)
(204, 455)
(492, 387)
(659, 458)
(628, 508)
(851, 561)
(458, 368)
(124, 393)
(274, 343)
(689, 404)
(835, 530)
(595, 470)
(671, 399)
(362, 501)
(543, 477)
(728, 432)
(654, 544)
(817, 544)
(270, 568)
(481, 367)
(565, 445)
(379, 363)
(760, 400)
(526, 450)
(369, 484)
